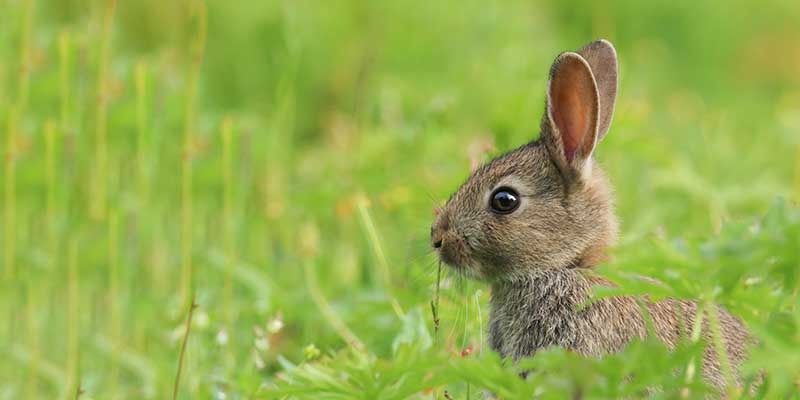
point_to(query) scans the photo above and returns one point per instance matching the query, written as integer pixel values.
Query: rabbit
(534, 221)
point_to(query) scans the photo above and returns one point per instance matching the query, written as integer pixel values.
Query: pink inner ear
(573, 97)
(571, 117)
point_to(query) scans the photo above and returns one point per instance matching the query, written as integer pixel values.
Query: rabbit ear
(569, 128)
(602, 59)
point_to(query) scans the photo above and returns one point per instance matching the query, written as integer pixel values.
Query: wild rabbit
(534, 221)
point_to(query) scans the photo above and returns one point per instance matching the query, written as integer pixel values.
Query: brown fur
(538, 258)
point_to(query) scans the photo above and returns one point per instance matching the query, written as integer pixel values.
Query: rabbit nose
(437, 234)
(438, 229)
(436, 237)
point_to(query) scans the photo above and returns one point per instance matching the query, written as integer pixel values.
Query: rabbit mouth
(455, 253)
(451, 258)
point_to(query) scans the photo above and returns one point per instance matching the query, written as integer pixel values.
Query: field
(273, 167)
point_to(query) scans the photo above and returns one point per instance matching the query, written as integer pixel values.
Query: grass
(281, 160)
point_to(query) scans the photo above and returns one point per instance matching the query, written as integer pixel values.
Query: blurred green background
(280, 160)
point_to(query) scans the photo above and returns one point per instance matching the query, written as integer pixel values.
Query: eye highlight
(504, 200)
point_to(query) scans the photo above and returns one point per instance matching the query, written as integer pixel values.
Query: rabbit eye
(504, 200)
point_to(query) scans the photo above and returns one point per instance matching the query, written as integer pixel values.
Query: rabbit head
(546, 204)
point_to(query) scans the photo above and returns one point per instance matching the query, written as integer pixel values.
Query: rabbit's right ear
(570, 124)
(602, 58)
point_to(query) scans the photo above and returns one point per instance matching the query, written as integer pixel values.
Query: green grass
(280, 161)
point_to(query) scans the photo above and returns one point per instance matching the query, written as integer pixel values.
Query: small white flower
(274, 325)
(258, 361)
(262, 343)
(222, 337)
(258, 331)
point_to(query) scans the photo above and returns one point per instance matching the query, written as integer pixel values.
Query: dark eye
(504, 200)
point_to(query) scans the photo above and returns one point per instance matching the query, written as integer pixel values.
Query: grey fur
(538, 259)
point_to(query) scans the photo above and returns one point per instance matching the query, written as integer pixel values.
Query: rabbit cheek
(490, 249)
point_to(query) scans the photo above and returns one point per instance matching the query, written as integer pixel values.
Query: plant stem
(33, 341)
(720, 349)
(98, 204)
(141, 131)
(327, 311)
(25, 66)
(435, 302)
(64, 71)
(51, 171)
(183, 349)
(372, 236)
(797, 173)
(9, 223)
(691, 368)
(73, 316)
(227, 212)
(15, 114)
(114, 298)
(196, 54)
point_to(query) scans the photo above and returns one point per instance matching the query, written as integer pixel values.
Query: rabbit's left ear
(602, 59)
(569, 127)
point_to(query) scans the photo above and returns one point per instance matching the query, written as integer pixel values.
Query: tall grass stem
(100, 171)
(115, 328)
(73, 316)
(10, 198)
(182, 354)
(227, 212)
(196, 53)
(141, 79)
(374, 241)
(15, 115)
(720, 349)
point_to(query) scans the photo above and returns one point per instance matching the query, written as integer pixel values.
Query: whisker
(425, 275)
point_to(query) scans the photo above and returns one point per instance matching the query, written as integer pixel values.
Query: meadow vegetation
(277, 164)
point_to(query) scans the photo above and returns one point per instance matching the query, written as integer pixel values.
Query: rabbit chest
(547, 309)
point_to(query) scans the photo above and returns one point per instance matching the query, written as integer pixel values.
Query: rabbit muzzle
(450, 246)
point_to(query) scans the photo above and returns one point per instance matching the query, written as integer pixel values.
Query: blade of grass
(327, 311)
(309, 242)
(48, 371)
(73, 317)
(196, 53)
(435, 302)
(78, 390)
(98, 202)
(9, 222)
(25, 65)
(182, 354)
(14, 116)
(134, 363)
(478, 294)
(64, 73)
(115, 323)
(51, 170)
(721, 350)
(797, 173)
(227, 213)
(691, 368)
(33, 341)
(383, 265)
(141, 131)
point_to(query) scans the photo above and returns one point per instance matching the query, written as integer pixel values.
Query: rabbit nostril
(437, 244)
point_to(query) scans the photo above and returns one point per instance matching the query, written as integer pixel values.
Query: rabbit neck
(537, 311)
(546, 309)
